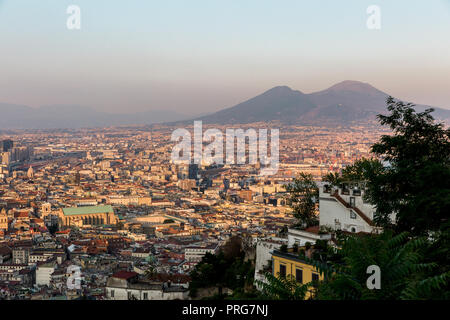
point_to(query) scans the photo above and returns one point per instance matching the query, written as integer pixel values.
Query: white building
(301, 237)
(195, 254)
(44, 273)
(125, 285)
(345, 209)
(264, 248)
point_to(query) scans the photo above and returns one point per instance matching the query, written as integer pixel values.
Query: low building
(196, 253)
(124, 285)
(44, 273)
(311, 235)
(290, 264)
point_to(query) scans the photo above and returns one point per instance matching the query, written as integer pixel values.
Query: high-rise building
(193, 171)
(6, 145)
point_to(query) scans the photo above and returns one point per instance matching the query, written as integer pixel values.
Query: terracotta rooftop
(124, 275)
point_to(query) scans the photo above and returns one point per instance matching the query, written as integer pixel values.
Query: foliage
(226, 269)
(416, 183)
(303, 195)
(150, 271)
(283, 288)
(362, 170)
(333, 178)
(402, 263)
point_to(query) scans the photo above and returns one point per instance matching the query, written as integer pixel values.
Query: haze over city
(199, 58)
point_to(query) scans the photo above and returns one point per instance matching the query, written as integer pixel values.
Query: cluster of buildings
(340, 208)
(106, 214)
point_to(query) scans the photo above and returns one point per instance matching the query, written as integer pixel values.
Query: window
(299, 275)
(112, 293)
(145, 296)
(315, 276)
(352, 214)
(282, 270)
(352, 202)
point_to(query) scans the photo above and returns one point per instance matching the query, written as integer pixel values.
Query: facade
(127, 201)
(125, 285)
(3, 220)
(345, 209)
(286, 264)
(87, 215)
(44, 273)
(195, 254)
(20, 255)
(6, 145)
(264, 248)
(301, 237)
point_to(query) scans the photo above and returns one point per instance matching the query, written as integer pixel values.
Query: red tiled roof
(21, 214)
(313, 229)
(63, 231)
(124, 275)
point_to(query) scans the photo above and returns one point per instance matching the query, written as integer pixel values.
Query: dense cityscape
(112, 202)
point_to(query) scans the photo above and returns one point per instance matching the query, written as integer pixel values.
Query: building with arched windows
(87, 216)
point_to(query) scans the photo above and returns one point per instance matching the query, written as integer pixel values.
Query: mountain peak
(354, 86)
(280, 89)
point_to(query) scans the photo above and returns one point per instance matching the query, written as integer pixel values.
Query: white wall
(43, 275)
(122, 294)
(264, 250)
(330, 209)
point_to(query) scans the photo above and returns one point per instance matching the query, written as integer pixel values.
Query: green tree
(403, 269)
(283, 288)
(415, 183)
(150, 271)
(226, 269)
(303, 196)
(333, 178)
(362, 170)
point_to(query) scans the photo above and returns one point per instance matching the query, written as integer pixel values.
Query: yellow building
(287, 264)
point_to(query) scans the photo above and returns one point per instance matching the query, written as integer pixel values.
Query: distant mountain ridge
(343, 103)
(348, 102)
(74, 116)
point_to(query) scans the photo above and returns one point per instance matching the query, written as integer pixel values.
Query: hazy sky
(203, 55)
